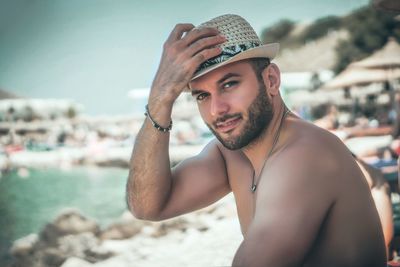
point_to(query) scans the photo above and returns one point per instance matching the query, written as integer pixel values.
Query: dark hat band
(227, 53)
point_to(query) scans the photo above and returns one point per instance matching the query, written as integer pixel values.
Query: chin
(233, 143)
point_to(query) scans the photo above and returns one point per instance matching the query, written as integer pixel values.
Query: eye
(201, 97)
(229, 84)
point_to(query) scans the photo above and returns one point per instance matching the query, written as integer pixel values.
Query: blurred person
(330, 120)
(380, 190)
(300, 196)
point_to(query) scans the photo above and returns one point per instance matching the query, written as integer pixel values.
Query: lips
(227, 125)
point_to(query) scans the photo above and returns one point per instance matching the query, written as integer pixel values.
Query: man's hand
(154, 192)
(185, 49)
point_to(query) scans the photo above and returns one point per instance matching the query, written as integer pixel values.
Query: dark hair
(259, 64)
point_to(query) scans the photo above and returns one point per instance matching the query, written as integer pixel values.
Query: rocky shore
(66, 157)
(208, 237)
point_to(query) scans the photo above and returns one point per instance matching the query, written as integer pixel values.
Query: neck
(257, 152)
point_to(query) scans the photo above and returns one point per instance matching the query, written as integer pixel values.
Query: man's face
(233, 104)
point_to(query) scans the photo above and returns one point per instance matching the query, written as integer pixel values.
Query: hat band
(227, 53)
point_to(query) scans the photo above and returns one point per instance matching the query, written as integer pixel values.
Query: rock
(68, 222)
(163, 228)
(123, 229)
(23, 251)
(71, 221)
(70, 235)
(76, 262)
(77, 245)
(97, 254)
(51, 257)
(124, 260)
(24, 246)
(49, 235)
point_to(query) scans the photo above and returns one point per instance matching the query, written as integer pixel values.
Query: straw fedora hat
(242, 43)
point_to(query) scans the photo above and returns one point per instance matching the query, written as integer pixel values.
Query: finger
(179, 30)
(205, 43)
(204, 55)
(198, 33)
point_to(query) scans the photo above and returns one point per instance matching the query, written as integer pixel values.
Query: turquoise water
(27, 204)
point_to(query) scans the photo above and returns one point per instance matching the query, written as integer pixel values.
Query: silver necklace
(253, 187)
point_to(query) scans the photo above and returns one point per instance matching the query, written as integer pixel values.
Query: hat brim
(264, 51)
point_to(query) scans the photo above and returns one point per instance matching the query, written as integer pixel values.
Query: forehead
(241, 68)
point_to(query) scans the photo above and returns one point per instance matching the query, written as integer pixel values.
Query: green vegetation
(320, 28)
(282, 32)
(277, 32)
(369, 30)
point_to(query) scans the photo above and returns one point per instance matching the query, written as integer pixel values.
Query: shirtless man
(380, 191)
(301, 198)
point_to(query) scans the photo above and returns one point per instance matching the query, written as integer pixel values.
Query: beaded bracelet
(155, 124)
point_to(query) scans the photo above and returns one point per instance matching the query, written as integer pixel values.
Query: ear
(272, 79)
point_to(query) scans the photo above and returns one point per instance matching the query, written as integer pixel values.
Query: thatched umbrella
(386, 58)
(355, 76)
(383, 66)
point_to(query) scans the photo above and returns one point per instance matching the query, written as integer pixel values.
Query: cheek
(204, 112)
(244, 100)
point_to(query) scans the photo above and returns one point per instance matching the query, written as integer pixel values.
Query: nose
(218, 106)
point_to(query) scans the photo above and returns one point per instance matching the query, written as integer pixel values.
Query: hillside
(6, 95)
(312, 56)
(326, 42)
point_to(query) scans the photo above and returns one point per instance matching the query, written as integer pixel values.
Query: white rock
(76, 262)
(24, 245)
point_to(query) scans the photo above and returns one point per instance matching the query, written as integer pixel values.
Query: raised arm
(151, 183)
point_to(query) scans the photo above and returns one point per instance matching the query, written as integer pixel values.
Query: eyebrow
(225, 77)
(196, 92)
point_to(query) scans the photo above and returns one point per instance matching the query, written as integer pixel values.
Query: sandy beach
(208, 237)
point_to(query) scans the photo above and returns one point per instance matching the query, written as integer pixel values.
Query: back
(351, 233)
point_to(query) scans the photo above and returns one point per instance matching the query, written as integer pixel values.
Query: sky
(96, 51)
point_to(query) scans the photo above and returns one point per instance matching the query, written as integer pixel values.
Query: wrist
(159, 112)
(156, 124)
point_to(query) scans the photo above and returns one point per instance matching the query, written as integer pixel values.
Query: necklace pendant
(253, 188)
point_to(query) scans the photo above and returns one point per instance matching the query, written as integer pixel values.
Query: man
(301, 198)
(380, 190)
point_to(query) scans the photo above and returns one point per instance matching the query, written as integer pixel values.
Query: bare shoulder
(318, 142)
(313, 147)
(309, 158)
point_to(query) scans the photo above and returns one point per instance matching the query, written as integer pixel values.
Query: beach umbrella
(386, 58)
(381, 66)
(355, 76)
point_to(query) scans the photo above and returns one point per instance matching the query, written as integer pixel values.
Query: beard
(260, 113)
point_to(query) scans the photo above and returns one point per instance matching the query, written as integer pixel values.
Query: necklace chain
(286, 111)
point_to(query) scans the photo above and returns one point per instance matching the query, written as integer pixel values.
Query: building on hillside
(7, 95)
(26, 109)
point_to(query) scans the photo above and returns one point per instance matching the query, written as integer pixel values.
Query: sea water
(31, 198)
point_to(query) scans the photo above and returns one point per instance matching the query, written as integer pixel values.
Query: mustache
(225, 118)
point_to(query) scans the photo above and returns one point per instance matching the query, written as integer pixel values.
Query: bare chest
(240, 173)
